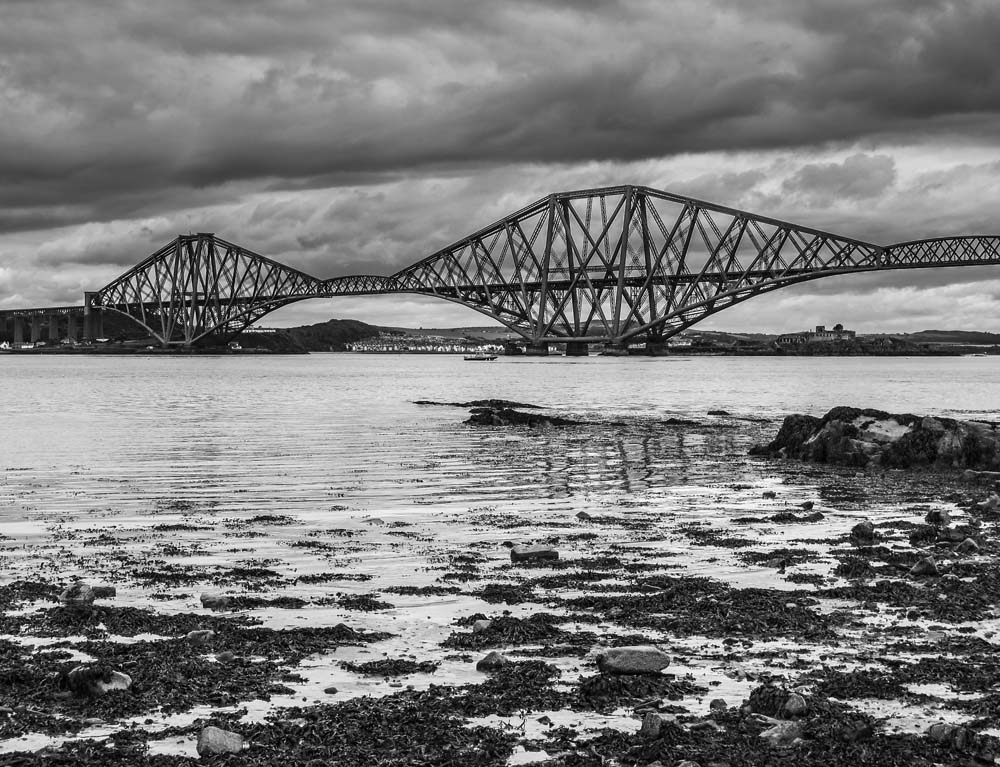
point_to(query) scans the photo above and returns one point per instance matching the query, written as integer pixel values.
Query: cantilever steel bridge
(612, 265)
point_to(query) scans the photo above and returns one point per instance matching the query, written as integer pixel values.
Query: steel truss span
(612, 265)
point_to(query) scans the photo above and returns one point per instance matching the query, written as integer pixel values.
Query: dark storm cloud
(115, 107)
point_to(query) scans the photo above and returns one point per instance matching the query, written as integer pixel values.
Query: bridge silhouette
(614, 266)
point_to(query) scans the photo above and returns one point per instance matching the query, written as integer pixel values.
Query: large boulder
(638, 659)
(214, 740)
(534, 553)
(853, 437)
(78, 596)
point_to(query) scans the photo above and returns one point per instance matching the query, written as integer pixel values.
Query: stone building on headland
(836, 333)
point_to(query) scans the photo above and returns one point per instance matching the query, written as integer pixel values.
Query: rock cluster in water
(505, 416)
(854, 437)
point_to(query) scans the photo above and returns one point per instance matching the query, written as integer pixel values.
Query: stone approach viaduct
(612, 266)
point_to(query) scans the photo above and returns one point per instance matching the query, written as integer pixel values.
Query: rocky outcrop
(505, 416)
(496, 404)
(853, 437)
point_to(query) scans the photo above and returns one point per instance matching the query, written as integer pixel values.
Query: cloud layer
(360, 136)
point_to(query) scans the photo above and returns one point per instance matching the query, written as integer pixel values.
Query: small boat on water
(480, 357)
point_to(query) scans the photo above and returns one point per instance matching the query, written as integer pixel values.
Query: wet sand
(354, 644)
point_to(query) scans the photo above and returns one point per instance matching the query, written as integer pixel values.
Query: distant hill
(967, 337)
(329, 336)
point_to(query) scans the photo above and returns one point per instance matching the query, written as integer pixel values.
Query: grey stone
(796, 705)
(481, 625)
(583, 516)
(769, 494)
(331, 690)
(941, 732)
(213, 740)
(950, 582)
(651, 724)
(226, 656)
(807, 505)
(938, 518)
(118, 681)
(104, 592)
(492, 662)
(201, 636)
(533, 553)
(863, 533)
(638, 659)
(718, 704)
(782, 734)
(78, 595)
(968, 546)
(926, 566)
(215, 601)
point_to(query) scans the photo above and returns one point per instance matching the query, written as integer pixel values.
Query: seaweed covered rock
(94, 680)
(854, 437)
(506, 416)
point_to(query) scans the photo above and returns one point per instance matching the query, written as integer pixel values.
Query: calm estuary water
(327, 431)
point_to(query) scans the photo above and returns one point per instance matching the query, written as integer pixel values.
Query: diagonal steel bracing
(609, 265)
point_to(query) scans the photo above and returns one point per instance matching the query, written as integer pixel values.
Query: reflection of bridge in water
(612, 266)
(588, 458)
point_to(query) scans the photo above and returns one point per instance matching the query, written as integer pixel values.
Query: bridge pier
(511, 349)
(615, 349)
(577, 348)
(36, 328)
(657, 348)
(93, 320)
(53, 327)
(18, 330)
(540, 349)
(71, 329)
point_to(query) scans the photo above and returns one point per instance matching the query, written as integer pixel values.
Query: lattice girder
(605, 265)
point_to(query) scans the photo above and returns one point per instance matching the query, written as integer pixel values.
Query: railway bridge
(610, 266)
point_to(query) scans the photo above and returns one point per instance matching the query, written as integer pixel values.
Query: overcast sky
(357, 137)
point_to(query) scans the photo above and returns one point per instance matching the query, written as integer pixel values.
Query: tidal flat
(335, 635)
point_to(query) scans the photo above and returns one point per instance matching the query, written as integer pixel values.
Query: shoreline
(748, 592)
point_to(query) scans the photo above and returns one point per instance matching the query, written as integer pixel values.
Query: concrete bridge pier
(53, 327)
(71, 328)
(36, 328)
(615, 349)
(577, 348)
(93, 320)
(18, 331)
(539, 349)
